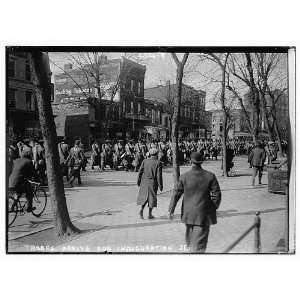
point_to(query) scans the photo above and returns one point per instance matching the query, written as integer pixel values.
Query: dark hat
(197, 158)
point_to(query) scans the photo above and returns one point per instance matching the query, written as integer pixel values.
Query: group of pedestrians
(200, 189)
(26, 162)
(202, 197)
(202, 194)
(35, 152)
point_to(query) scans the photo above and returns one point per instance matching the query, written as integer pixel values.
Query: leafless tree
(267, 65)
(41, 74)
(241, 67)
(221, 61)
(176, 113)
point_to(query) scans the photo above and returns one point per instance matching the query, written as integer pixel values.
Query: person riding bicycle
(22, 170)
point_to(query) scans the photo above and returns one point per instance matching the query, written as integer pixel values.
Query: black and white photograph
(149, 150)
(160, 150)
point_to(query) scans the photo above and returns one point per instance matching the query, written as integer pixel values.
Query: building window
(124, 106)
(11, 68)
(159, 116)
(221, 127)
(12, 98)
(34, 103)
(131, 107)
(27, 72)
(153, 116)
(131, 85)
(139, 88)
(139, 108)
(28, 100)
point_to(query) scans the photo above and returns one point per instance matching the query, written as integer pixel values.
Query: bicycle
(18, 204)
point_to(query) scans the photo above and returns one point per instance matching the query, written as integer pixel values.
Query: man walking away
(149, 179)
(202, 197)
(257, 158)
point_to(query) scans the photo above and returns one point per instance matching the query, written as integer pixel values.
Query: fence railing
(257, 241)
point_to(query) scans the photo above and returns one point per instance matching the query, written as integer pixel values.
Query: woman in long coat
(149, 180)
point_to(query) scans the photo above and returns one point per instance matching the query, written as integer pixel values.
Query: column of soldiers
(128, 155)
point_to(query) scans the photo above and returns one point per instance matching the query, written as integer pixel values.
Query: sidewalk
(111, 222)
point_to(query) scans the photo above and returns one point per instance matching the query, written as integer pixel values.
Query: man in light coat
(202, 197)
(149, 180)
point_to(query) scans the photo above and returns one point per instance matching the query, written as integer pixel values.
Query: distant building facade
(117, 115)
(132, 112)
(192, 111)
(21, 108)
(237, 124)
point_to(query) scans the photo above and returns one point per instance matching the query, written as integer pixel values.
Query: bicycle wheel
(12, 210)
(39, 201)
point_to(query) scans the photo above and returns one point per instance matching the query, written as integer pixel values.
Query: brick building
(120, 110)
(192, 113)
(21, 108)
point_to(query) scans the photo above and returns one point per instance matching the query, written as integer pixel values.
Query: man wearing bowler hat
(149, 180)
(202, 197)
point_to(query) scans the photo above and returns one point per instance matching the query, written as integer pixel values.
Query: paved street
(104, 207)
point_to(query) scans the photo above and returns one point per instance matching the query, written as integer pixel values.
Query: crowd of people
(128, 154)
(26, 160)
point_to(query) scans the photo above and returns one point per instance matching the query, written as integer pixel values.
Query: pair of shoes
(30, 209)
(71, 184)
(151, 217)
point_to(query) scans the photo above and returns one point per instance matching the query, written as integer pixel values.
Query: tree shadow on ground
(48, 237)
(38, 242)
(42, 221)
(243, 188)
(106, 183)
(163, 220)
(240, 175)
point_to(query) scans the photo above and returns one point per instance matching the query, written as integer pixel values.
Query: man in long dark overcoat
(257, 158)
(149, 180)
(202, 197)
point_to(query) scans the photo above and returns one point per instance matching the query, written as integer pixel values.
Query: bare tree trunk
(224, 158)
(254, 95)
(278, 137)
(265, 115)
(41, 71)
(176, 114)
(175, 125)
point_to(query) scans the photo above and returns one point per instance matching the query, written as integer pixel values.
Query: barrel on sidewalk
(277, 179)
